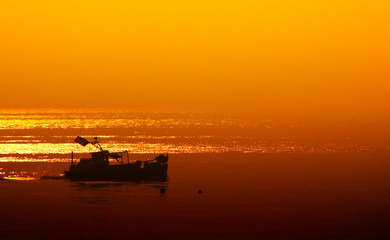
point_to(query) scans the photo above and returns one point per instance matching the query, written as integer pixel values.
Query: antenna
(97, 144)
(85, 142)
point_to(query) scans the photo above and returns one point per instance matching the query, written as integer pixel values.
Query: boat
(101, 166)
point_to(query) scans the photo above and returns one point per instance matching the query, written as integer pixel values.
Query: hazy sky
(269, 56)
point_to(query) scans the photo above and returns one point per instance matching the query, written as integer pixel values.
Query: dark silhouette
(98, 166)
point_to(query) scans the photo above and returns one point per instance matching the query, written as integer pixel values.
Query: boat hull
(118, 172)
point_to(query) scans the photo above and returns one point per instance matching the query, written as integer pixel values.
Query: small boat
(99, 168)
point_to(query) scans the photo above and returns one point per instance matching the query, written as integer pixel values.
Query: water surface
(259, 178)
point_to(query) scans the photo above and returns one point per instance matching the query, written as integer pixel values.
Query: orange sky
(288, 57)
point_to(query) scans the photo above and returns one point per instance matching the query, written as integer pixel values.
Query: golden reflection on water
(32, 149)
(104, 123)
(63, 119)
(33, 159)
(47, 135)
(21, 178)
(22, 122)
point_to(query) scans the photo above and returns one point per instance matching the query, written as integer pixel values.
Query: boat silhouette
(99, 168)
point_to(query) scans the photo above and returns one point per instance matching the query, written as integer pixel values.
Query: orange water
(47, 135)
(261, 178)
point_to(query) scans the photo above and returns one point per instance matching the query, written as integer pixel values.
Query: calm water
(47, 135)
(260, 178)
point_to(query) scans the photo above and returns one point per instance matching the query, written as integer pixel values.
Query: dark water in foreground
(244, 196)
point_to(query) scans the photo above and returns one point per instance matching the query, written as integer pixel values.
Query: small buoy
(162, 190)
(199, 191)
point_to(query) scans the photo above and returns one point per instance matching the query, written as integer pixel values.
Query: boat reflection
(98, 192)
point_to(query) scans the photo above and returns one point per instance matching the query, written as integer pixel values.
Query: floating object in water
(98, 167)
(200, 191)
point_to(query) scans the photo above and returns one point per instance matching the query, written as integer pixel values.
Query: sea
(231, 175)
